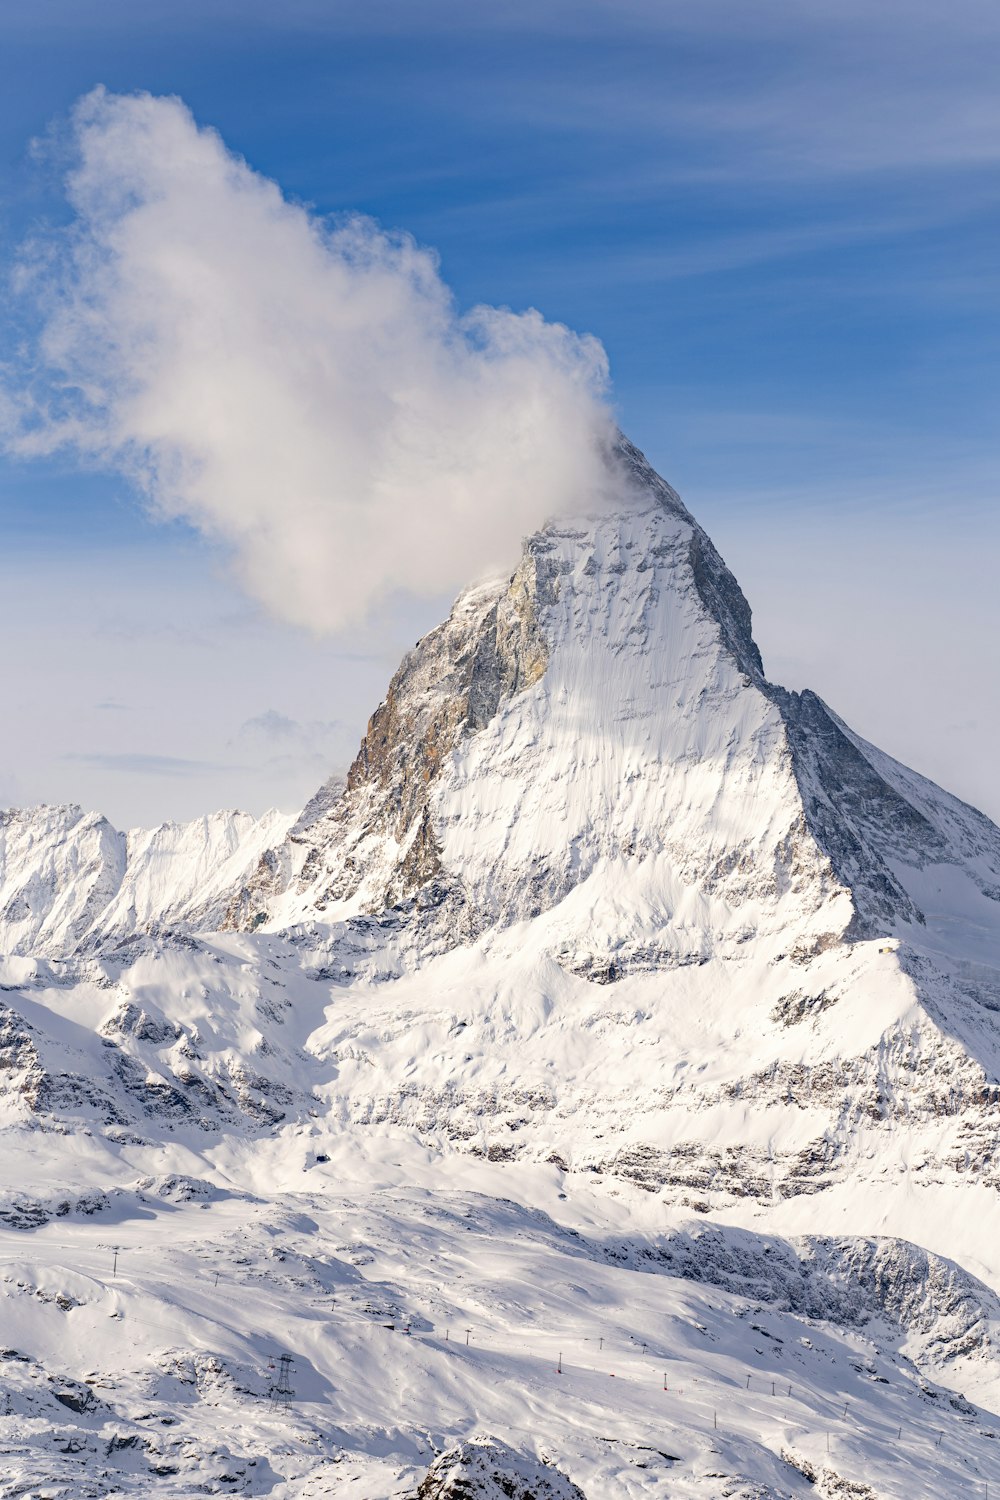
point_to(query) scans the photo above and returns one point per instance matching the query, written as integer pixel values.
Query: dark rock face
(147, 1068)
(247, 907)
(852, 1281)
(854, 815)
(486, 1469)
(450, 685)
(862, 822)
(74, 1396)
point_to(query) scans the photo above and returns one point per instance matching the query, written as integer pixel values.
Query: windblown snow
(595, 1094)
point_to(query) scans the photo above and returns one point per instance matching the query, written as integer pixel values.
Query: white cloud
(307, 393)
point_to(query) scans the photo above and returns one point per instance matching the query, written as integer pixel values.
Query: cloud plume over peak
(306, 392)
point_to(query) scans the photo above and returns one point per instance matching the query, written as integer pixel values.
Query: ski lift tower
(280, 1393)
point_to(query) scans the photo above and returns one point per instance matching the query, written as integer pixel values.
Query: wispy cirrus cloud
(776, 94)
(779, 88)
(135, 763)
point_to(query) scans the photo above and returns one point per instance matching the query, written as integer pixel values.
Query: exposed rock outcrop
(487, 1469)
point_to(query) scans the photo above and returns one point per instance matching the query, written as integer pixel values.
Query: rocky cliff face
(371, 838)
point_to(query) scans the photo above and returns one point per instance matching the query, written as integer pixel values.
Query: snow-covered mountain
(69, 882)
(601, 922)
(600, 723)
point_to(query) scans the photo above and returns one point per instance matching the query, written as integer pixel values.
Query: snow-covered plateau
(595, 1094)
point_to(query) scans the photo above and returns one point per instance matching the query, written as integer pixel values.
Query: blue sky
(780, 221)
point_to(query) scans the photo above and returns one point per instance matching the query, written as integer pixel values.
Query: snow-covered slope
(69, 881)
(450, 1342)
(603, 922)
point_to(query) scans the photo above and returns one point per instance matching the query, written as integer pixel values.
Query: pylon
(280, 1392)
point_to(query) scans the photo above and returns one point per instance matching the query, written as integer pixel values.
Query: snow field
(206, 1294)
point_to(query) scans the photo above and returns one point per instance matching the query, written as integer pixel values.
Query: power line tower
(115, 1251)
(280, 1392)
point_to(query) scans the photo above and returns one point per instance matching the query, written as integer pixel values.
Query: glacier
(595, 1092)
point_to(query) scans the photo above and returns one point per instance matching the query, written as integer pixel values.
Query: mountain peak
(615, 658)
(601, 714)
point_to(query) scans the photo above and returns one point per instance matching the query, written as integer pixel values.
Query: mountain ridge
(70, 881)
